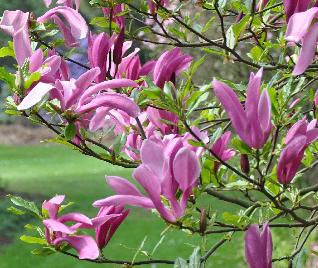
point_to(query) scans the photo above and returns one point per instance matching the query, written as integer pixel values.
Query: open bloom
(77, 26)
(258, 247)
(252, 124)
(298, 138)
(167, 168)
(57, 232)
(303, 29)
(15, 23)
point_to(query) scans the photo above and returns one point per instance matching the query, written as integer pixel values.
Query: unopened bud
(203, 221)
(245, 165)
(118, 47)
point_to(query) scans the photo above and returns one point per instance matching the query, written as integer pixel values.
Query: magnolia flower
(258, 247)
(220, 147)
(51, 68)
(303, 29)
(170, 64)
(298, 138)
(77, 26)
(15, 23)
(295, 6)
(165, 170)
(57, 232)
(98, 50)
(252, 123)
(165, 121)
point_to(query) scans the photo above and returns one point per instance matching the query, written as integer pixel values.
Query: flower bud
(245, 165)
(203, 221)
(118, 46)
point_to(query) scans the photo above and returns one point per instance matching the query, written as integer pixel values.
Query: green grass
(49, 170)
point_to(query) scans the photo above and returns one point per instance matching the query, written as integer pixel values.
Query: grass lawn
(49, 170)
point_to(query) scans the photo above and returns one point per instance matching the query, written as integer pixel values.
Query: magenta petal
(35, 96)
(85, 246)
(258, 247)
(57, 226)
(152, 186)
(232, 106)
(75, 217)
(122, 186)
(307, 52)
(53, 205)
(114, 101)
(299, 128)
(186, 168)
(152, 156)
(98, 120)
(111, 84)
(15, 23)
(122, 200)
(264, 112)
(77, 23)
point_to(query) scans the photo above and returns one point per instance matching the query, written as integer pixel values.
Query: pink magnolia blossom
(169, 65)
(258, 247)
(298, 138)
(77, 26)
(165, 170)
(57, 232)
(15, 23)
(303, 29)
(98, 50)
(252, 124)
(295, 6)
(165, 121)
(105, 225)
(220, 147)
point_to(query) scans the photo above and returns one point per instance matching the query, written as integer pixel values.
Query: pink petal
(122, 200)
(77, 23)
(35, 96)
(57, 226)
(186, 168)
(122, 186)
(85, 246)
(152, 156)
(75, 217)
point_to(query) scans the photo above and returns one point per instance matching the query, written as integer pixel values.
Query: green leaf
(20, 202)
(16, 211)
(6, 52)
(33, 240)
(70, 131)
(7, 77)
(34, 77)
(45, 251)
(230, 38)
(194, 261)
(180, 263)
